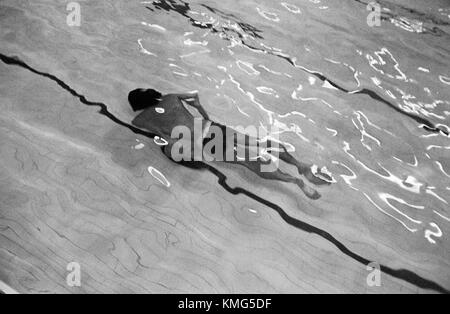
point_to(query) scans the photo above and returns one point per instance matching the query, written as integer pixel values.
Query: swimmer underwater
(162, 114)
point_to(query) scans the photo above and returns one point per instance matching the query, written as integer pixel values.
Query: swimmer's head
(141, 99)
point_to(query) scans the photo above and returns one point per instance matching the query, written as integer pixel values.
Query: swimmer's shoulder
(169, 99)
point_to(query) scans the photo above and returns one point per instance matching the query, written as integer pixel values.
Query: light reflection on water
(238, 57)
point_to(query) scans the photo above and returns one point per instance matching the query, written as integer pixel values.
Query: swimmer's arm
(194, 100)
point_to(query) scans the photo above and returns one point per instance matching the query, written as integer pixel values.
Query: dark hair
(141, 99)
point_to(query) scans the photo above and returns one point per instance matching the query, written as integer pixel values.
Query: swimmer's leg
(303, 168)
(255, 166)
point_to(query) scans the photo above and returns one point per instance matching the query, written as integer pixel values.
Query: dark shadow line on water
(426, 124)
(103, 108)
(401, 274)
(184, 8)
(418, 13)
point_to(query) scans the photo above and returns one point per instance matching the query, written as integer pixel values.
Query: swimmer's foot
(319, 179)
(306, 169)
(309, 192)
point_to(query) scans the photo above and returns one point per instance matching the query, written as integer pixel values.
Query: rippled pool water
(372, 104)
(368, 104)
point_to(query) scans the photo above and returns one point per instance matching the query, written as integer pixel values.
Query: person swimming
(163, 113)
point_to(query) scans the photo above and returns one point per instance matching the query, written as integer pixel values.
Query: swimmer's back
(164, 117)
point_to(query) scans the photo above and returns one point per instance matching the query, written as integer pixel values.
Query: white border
(7, 289)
